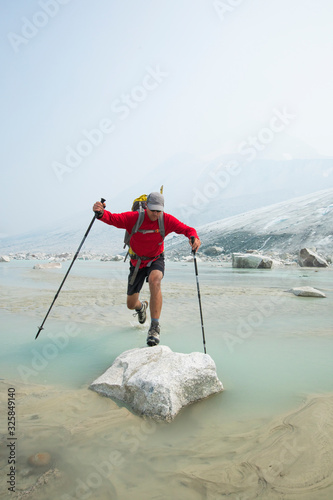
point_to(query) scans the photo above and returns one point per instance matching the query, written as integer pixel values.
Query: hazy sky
(97, 93)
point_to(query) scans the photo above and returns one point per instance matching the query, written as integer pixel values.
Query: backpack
(139, 205)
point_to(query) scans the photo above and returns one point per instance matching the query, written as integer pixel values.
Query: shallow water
(273, 354)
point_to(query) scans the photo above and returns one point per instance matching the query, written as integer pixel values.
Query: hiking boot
(153, 334)
(142, 315)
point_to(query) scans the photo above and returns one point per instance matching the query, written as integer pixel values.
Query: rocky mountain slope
(305, 221)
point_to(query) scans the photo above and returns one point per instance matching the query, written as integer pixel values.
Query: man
(147, 255)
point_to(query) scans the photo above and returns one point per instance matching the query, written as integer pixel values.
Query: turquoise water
(272, 350)
(266, 358)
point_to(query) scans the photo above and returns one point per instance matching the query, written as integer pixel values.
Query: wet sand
(97, 447)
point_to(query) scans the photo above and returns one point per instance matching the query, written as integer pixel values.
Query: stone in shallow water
(157, 383)
(48, 265)
(40, 459)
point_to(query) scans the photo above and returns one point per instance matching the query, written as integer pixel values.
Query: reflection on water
(273, 352)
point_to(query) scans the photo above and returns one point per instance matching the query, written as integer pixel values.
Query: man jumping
(147, 255)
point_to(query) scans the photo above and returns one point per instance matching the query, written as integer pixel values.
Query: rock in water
(251, 261)
(307, 291)
(308, 258)
(40, 459)
(157, 383)
(48, 265)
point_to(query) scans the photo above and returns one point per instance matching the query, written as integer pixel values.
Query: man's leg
(133, 292)
(155, 278)
(154, 281)
(133, 301)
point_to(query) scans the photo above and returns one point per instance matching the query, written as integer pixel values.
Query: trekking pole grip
(99, 214)
(192, 241)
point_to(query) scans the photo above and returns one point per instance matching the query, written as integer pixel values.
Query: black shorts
(143, 274)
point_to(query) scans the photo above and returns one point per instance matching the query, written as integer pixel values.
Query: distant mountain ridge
(197, 192)
(284, 227)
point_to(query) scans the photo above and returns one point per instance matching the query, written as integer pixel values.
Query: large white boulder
(157, 383)
(4, 258)
(309, 258)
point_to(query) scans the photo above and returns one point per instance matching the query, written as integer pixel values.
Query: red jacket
(149, 244)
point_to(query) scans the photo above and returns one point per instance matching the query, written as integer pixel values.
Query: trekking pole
(199, 298)
(40, 328)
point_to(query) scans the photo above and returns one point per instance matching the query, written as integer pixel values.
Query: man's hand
(195, 243)
(98, 208)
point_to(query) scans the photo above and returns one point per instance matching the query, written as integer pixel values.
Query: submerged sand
(100, 449)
